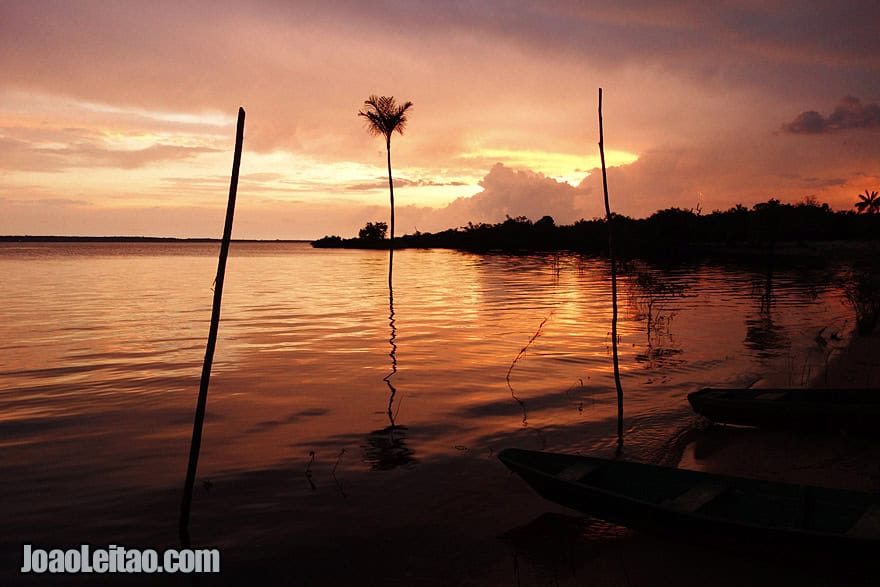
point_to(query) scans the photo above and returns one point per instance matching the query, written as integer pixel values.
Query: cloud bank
(849, 114)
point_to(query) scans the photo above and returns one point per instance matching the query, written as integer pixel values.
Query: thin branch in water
(522, 351)
(338, 458)
(520, 355)
(333, 473)
(397, 411)
(578, 404)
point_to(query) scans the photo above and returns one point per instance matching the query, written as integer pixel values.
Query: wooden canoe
(810, 409)
(680, 501)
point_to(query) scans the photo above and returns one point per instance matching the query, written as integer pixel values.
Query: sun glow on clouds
(283, 176)
(38, 108)
(206, 118)
(121, 156)
(563, 167)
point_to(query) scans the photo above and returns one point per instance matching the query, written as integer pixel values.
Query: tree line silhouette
(668, 232)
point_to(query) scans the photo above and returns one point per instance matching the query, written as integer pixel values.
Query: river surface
(330, 390)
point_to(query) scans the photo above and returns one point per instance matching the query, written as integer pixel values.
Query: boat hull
(693, 504)
(804, 409)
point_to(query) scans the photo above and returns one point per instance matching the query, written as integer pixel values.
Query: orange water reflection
(101, 350)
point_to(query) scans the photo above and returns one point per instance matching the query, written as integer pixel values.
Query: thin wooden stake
(186, 503)
(613, 281)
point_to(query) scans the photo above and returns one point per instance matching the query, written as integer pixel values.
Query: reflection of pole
(613, 281)
(212, 340)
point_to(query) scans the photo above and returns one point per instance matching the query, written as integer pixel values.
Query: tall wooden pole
(613, 280)
(186, 503)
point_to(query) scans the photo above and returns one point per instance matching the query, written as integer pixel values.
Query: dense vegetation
(673, 231)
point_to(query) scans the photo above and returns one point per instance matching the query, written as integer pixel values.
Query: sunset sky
(118, 117)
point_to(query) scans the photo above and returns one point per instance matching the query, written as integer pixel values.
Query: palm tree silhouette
(868, 203)
(384, 118)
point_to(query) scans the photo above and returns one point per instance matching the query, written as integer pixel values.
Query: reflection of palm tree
(384, 118)
(386, 449)
(393, 355)
(868, 203)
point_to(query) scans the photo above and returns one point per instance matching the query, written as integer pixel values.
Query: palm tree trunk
(391, 191)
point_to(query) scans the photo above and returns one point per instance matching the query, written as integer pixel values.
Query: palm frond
(384, 116)
(374, 123)
(868, 203)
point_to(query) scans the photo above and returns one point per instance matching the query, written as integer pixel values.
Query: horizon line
(122, 238)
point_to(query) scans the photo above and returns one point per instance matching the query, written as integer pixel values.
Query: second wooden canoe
(811, 409)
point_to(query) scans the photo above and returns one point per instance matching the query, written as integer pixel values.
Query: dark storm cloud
(851, 113)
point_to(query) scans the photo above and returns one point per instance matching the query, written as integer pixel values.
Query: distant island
(129, 239)
(669, 232)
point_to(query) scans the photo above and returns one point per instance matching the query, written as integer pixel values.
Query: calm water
(340, 390)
